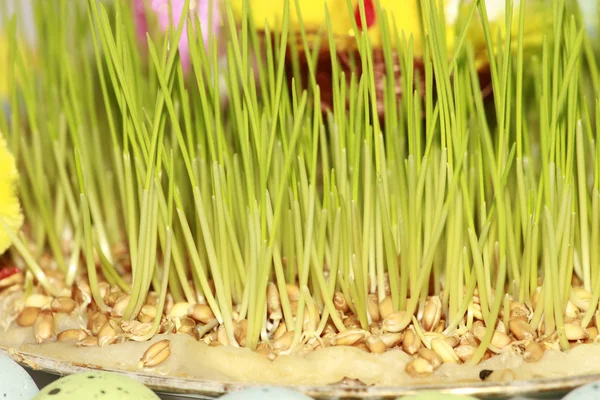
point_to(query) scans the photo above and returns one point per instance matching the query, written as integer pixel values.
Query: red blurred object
(370, 16)
(8, 271)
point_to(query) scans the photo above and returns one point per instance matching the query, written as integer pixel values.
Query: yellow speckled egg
(96, 385)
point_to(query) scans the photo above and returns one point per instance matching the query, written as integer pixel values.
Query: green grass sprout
(140, 176)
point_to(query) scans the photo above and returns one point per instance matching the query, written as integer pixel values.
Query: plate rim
(208, 389)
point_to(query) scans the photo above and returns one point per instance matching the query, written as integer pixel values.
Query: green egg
(437, 396)
(96, 385)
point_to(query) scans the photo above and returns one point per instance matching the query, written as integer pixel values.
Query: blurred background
(590, 9)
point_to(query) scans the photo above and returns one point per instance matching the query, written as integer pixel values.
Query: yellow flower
(10, 209)
(313, 17)
(404, 18)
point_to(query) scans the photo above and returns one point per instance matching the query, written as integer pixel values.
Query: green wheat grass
(119, 149)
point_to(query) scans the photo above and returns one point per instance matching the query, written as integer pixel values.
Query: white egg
(15, 382)
(267, 393)
(587, 392)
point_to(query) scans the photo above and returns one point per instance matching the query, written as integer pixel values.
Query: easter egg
(438, 396)
(266, 393)
(15, 382)
(587, 392)
(96, 385)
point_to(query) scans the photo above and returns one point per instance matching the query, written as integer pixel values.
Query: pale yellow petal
(10, 209)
